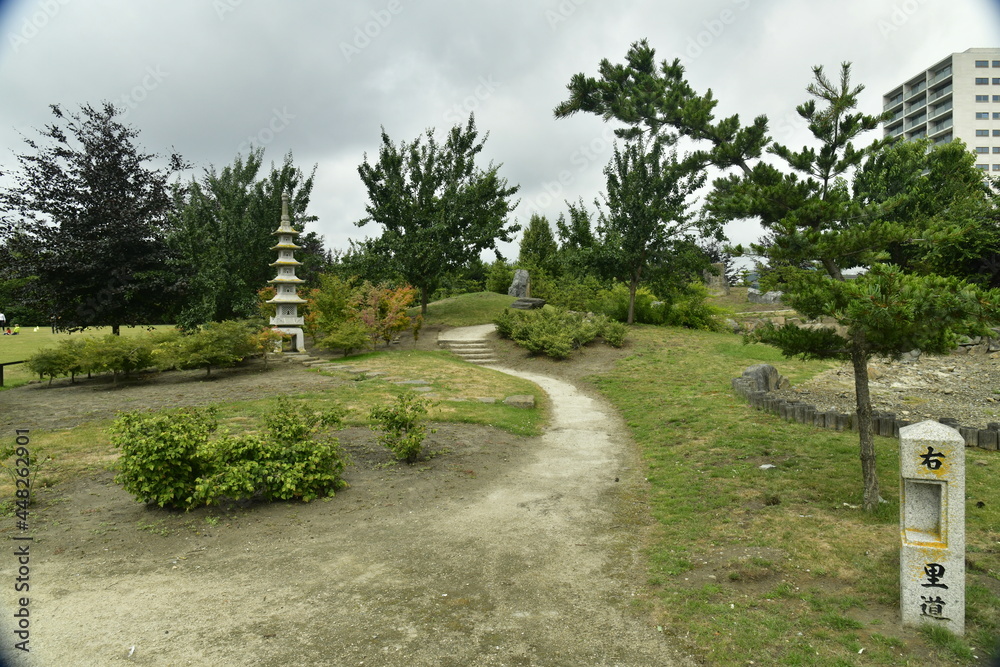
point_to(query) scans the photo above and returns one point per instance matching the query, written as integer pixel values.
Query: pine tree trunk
(869, 475)
(116, 329)
(423, 301)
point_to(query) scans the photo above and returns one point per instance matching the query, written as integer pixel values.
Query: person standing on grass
(3, 321)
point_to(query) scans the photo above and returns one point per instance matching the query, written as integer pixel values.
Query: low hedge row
(213, 345)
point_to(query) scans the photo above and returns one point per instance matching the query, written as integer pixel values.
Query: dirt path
(506, 551)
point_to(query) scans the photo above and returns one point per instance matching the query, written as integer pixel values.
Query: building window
(982, 149)
(996, 115)
(984, 167)
(996, 81)
(996, 167)
(996, 149)
(996, 133)
(982, 133)
(982, 98)
(982, 115)
(996, 63)
(996, 98)
(982, 63)
(982, 80)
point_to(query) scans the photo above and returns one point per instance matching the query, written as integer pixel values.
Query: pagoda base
(298, 338)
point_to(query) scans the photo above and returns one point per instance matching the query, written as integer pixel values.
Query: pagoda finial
(285, 219)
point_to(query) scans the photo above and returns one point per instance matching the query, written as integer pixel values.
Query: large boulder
(756, 296)
(521, 285)
(765, 377)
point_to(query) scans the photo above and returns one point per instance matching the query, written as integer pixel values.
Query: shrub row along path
(504, 551)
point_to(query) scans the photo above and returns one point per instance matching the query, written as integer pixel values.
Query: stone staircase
(473, 351)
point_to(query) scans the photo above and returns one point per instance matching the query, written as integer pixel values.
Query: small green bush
(170, 459)
(554, 332)
(119, 355)
(163, 455)
(347, 336)
(505, 323)
(402, 426)
(613, 333)
(217, 344)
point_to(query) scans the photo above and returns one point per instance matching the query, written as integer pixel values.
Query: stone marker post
(932, 526)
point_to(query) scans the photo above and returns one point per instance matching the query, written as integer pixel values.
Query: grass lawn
(22, 346)
(465, 309)
(779, 566)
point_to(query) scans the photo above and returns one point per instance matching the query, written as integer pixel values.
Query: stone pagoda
(287, 300)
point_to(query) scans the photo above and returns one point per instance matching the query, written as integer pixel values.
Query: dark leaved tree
(92, 211)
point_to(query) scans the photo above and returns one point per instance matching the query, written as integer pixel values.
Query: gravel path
(503, 551)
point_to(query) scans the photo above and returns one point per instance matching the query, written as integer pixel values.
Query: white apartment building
(957, 98)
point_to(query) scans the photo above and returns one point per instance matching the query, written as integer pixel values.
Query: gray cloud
(319, 78)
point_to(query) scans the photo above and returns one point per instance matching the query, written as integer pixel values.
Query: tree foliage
(647, 219)
(221, 234)
(91, 209)
(819, 225)
(438, 209)
(538, 247)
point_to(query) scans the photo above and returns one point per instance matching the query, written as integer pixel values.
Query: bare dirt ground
(499, 550)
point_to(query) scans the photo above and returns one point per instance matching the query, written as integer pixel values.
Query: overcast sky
(211, 77)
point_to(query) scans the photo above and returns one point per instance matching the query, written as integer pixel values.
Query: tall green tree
(92, 209)
(648, 217)
(438, 209)
(820, 227)
(538, 246)
(221, 234)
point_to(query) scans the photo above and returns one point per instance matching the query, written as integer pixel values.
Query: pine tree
(820, 226)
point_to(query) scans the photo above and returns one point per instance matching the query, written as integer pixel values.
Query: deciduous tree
(221, 234)
(438, 209)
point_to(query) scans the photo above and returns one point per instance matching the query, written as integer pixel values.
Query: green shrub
(649, 309)
(575, 294)
(505, 322)
(170, 459)
(121, 355)
(499, 277)
(554, 332)
(612, 332)
(691, 309)
(402, 426)
(347, 336)
(216, 344)
(50, 361)
(164, 454)
(285, 462)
